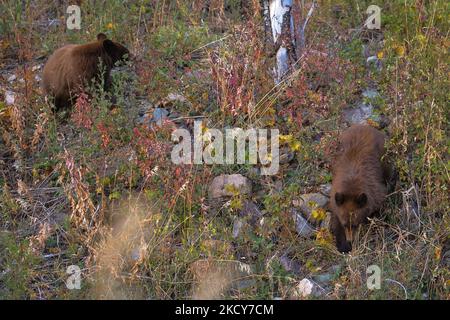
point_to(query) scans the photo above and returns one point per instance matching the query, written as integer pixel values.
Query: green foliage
(17, 263)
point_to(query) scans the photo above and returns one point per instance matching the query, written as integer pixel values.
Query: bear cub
(71, 67)
(359, 182)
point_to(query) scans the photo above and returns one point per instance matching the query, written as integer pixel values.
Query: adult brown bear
(359, 181)
(71, 67)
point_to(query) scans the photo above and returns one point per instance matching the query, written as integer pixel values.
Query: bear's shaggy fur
(359, 181)
(71, 67)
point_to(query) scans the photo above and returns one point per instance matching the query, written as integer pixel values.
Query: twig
(210, 43)
(302, 30)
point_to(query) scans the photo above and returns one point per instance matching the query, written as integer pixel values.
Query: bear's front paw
(344, 246)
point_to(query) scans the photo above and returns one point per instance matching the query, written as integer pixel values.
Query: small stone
(286, 156)
(159, 115)
(373, 60)
(136, 254)
(174, 97)
(309, 202)
(331, 274)
(12, 78)
(301, 225)
(237, 226)
(251, 210)
(445, 258)
(360, 114)
(370, 94)
(304, 288)
(54, 22)
(10, 98)
(325, 189)
(324, 278)
(290, 265)
(307, 288)
(229, 185)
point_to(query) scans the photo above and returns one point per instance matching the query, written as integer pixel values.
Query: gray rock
(251, 210)
(331, 274)
(54, 22)
(286, 156)
(237, 226)
(370, 94)
(324, 278)
(307, 288)
(358, 115)
(325, 189)
(301, 225)
(159, 115)
(238, 183)
(175, 97)
(37, 67)
(290, 265)
(308, 202)
(10, 97)
(373, 60)
(136, 254)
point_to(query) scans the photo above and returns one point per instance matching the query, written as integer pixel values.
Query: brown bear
(71, 67)
(359, 182)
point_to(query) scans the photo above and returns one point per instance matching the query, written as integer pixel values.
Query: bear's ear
(339, 198)
(361, 200)
(110, 47)
(101, 37)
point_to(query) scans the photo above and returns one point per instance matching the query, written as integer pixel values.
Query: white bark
(277, 11)
(302, 30)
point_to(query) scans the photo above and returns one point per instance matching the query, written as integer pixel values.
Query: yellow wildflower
(318, 214)
(295, 146)
(400, 51)
(380, 55)
(285, 138)
(324, 237)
